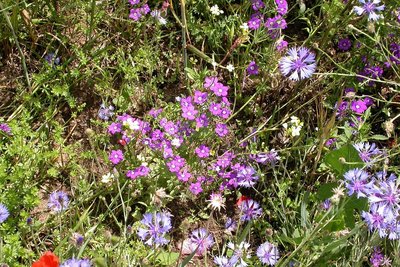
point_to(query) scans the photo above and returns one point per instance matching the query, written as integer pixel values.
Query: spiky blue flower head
(58, 201)
(156, 226)
(369, 7)
(76, 263)
(268, 253)
(385, 199)
(4, 213)
(298, 64)
(358, 182)
(249, 210)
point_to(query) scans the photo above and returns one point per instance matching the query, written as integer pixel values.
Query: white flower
(216, 11)
(216, 201)
(106, 178)
(132, 124)
(176, 142)
(230, 67)
(244, 26)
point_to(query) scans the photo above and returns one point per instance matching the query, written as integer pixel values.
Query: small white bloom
(216, 11)
(106, 178)
(296, 131)
(230, 67)
(244, 26)
(176, 142)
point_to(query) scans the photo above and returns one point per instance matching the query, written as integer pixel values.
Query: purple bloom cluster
(298, 64)
(373, 72)
(58, 201)
(383, 194)
(275, 25)
(77, 263)
(356, 106)
(141, 171)
(378, 259)
(395, 53)
(105, 113)
(138, 12)
(5, 128)
(156, 226)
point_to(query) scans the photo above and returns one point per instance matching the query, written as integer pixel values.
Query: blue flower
(76, 263)
(249, 210)
(3, 213)
(105, 112)
(369, 7)
(357, 181)
(156, 226)
(298, 64)
(268, 253)
(58, 201)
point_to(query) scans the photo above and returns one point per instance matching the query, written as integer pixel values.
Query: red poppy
(47, 260)
(241, 199)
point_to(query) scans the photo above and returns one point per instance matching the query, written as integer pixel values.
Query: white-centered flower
(230, 67)
(106, 178)
(216, 11)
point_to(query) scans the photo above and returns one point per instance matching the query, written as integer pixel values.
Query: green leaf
(353, 204)
(378, 137)
(167, 258)
(325, 191)
(343, 159)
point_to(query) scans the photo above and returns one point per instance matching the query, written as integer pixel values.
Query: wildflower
(254, 23)
(247, 176)
(375, 221)
(210, 81)
(115, 128)
(222, 261)
(195, 188)
(116, 156)
(189, 113)
(298, 64)
(274, 25)
(155, 112)
(140, 171)
(282, 7)
(281, 45)
(344, 44)
(58, 201)
(230, 225)
(358, 106)
(105, 112)
(77, 239)
(385, 198)
(326, 204)
(252, 69)
(338, 192)
(221, 129)
(330, 142)
(48, 259)
(183, 175)
(135, 14)
(369, 7)
(257, 4)
(201, 240)
(202, 121)
(249, 210)
(216, 11)
(270, 157)
(356, 181)
(52, 59)
(367, 151)
(268, 253)
(156, 226)
(239, 254)
(5, 128)
(215, 109)
(157, 15)
(134, 2)
(376, 257)
(145, 9)
(230, 67)
(245, 27)
(219, 89)
(216, 201)
(4, 213)
(202, 151)
(200, 97)
(76, 263)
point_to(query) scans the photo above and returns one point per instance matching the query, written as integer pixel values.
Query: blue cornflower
(201, 240)
(105, 113)
(239, 254)
(385, 198)
(52, 59)
(375, 221)
(58, 201)
(246, 176)
(157, 225)
(76, 263)
(268, 253)
(249, 210)
(298, 64)
(356, 181)
(369, 7)
(222, 261)
(230, 225)
(4, 213)
(367, 151)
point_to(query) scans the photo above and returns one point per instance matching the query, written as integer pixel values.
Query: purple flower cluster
(5, 128)
(156, 226)
(355, 106)
(373, 72)
(378, 259)
(105, 113)
(141, 171)
(137, 12)
(383, 194)
(76, 263)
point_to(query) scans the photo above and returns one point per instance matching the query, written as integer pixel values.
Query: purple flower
(156, 226)
(246, 176)
(225, 113)
(4, 213)
(140, 171)
(268, 253)
(222, 261)
(202, 121)
(170, 128)
(210, 81)
(76, 263)
(281, 45)
(200, 97)
(224, 160)
(369, 7)
(249, 210)
(356, 181)
(155, 112)
(215, 109)
(134, 2)
(105, 112)
(270, 157)
(376, 257)
(183, 175)
(254, 23)
(375, 221)
(298, 64)
(135, 14)
(201, 240)
(5, 128)
(344, 44)
(116, 156)
(274, 25)
(385, 199)
(202, 151)
(257, 4)
(367, 151)
(52, 59)
(326, 204)
(189, 113)
(219, 89)
(145, 9)
(252, 69)
(282, 7)
(342, 109)
(195, 188)
(114, 128)
(368, 101)
(330, 142)
(230, 225)
(358, 106)
(221, 129)
(58, 201)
